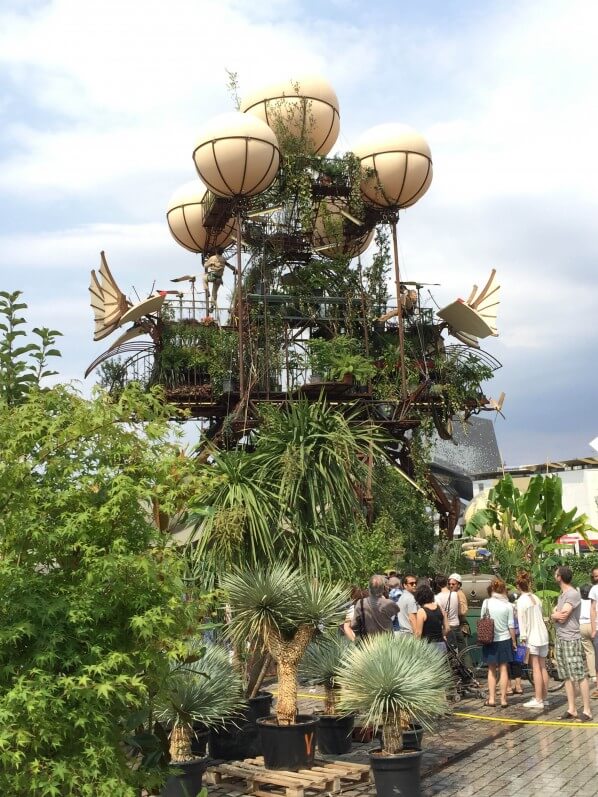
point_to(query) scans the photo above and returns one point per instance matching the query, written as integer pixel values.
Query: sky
(101, 103)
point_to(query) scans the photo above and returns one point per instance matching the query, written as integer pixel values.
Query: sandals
(585, 717)
(518, 692)
(504, 705)
(489, 704)
(568, 716)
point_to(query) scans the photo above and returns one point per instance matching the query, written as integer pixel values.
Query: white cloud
(506, 99)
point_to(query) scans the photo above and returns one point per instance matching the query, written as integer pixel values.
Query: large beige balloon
(303, 108)
(397, 163)
(185, 216)
(237, 155)
(329, 232)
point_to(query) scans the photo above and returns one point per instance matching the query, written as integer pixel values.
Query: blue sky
(100, 104)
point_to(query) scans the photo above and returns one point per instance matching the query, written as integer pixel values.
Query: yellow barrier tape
(549, 723)
(556, 723)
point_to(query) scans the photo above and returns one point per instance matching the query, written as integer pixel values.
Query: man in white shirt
(593, 596)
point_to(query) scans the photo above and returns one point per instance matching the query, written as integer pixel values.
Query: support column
(399, 310)
(240, 324)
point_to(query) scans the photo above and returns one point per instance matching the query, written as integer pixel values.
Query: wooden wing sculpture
(108, 302)
(112, 309)
(476, 317)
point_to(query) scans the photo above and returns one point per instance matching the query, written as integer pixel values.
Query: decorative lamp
(304, 108)
(397, 165)
(237, 155)
(330, 236)
(185, 216)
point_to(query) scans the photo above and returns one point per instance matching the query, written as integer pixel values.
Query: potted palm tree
(320, 665)
(208, 692)
(286, 609)
(394, 682)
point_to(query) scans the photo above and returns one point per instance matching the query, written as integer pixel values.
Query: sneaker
(533, 703)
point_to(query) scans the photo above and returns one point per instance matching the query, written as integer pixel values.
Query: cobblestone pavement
(471, 757)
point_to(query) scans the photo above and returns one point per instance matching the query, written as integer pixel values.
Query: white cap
(455, 577)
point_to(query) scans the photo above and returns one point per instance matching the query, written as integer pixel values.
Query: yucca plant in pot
(320, 665)
(393, 682)
(285, 609)
(208, 691)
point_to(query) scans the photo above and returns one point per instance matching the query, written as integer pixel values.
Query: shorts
(570, 659)
(538, 650)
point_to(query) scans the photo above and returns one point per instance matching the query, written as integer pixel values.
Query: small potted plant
(286, 609)
(392, 683)
(320, 665)
(208, 692)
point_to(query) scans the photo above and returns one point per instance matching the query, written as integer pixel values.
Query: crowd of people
(436, 609)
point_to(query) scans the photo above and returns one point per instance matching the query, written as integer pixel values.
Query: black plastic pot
(289, 746)
(187, 781)
(241, 739)
(260, 705)
(397, 774)
(412, 737)
(334, 733)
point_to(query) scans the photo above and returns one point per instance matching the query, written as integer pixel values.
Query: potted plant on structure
(320, 665)
(393, 683)
(285, 609)
(208, 692)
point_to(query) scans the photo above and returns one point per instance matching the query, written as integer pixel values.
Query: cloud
(104, 101)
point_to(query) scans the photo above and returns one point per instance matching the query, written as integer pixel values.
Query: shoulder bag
(485, 627)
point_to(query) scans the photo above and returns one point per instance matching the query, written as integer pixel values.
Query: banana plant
(534, 518)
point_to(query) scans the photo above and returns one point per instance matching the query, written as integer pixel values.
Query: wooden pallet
(324, 776)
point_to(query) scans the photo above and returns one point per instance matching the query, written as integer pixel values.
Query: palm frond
(209, 691)
(385, 677)
(324, 658)
(280, 599)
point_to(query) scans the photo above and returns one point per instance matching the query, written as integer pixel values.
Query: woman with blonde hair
(498, 653)
(534, 634)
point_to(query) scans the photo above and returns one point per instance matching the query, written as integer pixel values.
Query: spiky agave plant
(209, 691)
(322, 661)
(286, 609)
(394, 681)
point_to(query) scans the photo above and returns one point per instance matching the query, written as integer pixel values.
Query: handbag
(520, 654)
(485, 628)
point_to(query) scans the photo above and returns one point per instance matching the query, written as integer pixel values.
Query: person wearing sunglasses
(408, 606)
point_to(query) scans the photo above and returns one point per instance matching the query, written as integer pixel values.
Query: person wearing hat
(456, 633)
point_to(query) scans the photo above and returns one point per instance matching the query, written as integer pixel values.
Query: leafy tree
(92, 591)
(294, 496)
(22, 367)
(410, 518)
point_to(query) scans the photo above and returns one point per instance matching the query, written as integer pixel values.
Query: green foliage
(535, 519)
(377, 274)
(293, 496)
(22, 368)
(339, 356)
(323, 659)
(374, 549)
(389, 681)
(204, 349)
(447, 557)
(92, 592)
(410, 515)
(458, 379)
(209, 691)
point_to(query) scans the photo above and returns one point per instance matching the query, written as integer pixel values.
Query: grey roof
(473, 449)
